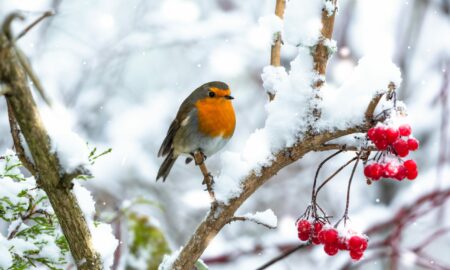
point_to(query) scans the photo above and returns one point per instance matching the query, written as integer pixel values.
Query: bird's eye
(212, 94)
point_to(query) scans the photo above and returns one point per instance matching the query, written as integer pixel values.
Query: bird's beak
(229, 97)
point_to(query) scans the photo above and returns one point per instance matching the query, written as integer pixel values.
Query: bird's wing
(183, 116)
(167, 143)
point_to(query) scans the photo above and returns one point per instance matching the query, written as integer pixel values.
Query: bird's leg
(208, 179)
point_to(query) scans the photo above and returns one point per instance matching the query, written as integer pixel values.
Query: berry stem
(332, 176)
(347, 203)
(314, 194)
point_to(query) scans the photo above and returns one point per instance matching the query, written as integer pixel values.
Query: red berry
(413, 144)
(401, 173)
(401, 147)
(405, 130)
(381, 144)
(303, 236)
(373, 171)
(315, 240)
(329, 237)
(392, 134)
(317, 227)
(410, 165)
(380, 133)
(304, 226)
(371, 134)
(330, 249)
(342, 244)
(411, 175)
(390, 169)
(368, 171)
(357, 243)
(356, 255)
(377, 171)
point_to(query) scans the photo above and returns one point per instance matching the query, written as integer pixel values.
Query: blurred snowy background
(118, 70)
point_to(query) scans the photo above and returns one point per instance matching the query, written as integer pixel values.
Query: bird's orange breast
(216, 117)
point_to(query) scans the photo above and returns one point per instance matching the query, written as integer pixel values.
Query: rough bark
(48, 171)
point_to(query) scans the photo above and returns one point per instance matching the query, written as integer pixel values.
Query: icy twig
(266, 218)
(252, 220)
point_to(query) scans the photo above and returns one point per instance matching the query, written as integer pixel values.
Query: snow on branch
(305, 115)
(14, 72)
(266, 218)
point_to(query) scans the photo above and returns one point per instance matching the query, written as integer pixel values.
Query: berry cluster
(394, 144)
(332, 240)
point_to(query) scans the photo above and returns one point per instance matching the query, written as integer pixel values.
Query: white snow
(6, 259)
(330, 7)
(267, 217)
(103, 239)
(272, 78)
(372, 75)
(302, 22)
(69, 147)
(272, 25)
(287, 120)
(168, 260)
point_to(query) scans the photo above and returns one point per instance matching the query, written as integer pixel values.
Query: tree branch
(275, 51)
(321, 52)
(207, 177)
(282, 256)
(25, 111)
(218, 217)
(15, 133)
(252, 220)
(33, 24)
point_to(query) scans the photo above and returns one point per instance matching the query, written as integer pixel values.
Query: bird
(205, 122)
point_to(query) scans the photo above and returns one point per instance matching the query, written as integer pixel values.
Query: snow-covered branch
(266, 218)
(301, 119)
(42, 162)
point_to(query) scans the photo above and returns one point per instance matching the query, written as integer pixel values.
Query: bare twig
(33, 24)
(282, 256)
(6, 26)
(333, 175)
(207, 177)
(347, 202)
(430, 239)
(313, 195)
(344, 147)
(36, 82)
(15, 133)
(20, 55)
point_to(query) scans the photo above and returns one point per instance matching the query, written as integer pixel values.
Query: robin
(205, 122)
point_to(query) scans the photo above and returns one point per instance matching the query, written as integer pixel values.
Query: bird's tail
(166, 166)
